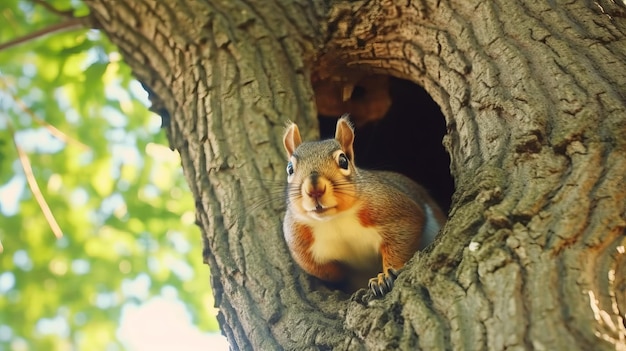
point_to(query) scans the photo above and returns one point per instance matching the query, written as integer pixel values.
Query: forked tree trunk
(534, 97)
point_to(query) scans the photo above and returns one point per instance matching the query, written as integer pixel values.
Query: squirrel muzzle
(318, 200)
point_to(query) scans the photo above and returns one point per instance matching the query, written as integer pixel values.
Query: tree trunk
(534, 99)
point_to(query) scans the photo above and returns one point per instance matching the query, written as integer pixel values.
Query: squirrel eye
(342, 161)
(289, 168)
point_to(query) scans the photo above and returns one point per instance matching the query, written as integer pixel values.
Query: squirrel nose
(316, 192)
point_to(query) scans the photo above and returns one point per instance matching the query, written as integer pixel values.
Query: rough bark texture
(534, 97)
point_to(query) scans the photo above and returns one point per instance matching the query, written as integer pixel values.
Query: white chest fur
(343, 238)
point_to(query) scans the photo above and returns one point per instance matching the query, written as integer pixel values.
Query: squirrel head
(321, 174)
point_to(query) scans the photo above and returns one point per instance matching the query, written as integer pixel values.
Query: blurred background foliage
(71, 109)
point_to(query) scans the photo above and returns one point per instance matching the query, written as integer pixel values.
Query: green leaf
(115, 190)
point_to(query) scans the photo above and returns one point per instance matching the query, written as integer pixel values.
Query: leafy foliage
(114, 187)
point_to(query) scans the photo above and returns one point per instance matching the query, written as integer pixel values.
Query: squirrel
(343, 223)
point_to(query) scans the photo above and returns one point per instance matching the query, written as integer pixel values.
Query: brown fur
(374, 216)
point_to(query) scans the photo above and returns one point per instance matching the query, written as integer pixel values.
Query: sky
(163, 324)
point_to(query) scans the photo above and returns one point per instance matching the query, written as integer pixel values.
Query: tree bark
(534, 98)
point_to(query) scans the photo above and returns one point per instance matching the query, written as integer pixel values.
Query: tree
(533, 96)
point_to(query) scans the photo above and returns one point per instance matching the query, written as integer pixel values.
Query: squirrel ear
(291, 139)
(345, 136)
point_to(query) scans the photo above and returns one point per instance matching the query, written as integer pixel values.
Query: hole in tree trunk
(398, 127)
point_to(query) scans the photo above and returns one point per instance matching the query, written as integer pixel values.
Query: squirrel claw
(383, 282)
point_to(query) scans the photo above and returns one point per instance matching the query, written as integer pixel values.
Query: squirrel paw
(383, 283)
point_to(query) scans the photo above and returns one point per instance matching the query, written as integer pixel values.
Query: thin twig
(70, 24)
(51, 129)
(34, 187)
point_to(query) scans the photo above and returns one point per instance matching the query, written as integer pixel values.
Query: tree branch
(34, 187)
(70, 24)
(54, 131)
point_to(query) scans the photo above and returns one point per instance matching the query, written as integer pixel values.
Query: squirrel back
(344, 223)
